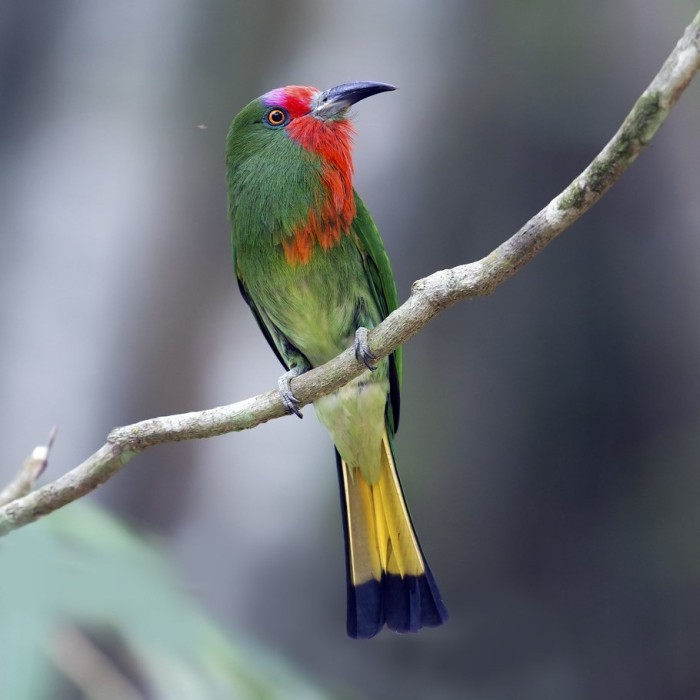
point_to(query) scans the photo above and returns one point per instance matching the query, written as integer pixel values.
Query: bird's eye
(277, 117)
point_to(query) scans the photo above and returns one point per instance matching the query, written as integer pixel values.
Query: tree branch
(428, 298)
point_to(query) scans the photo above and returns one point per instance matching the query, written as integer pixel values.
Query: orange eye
(276, 117)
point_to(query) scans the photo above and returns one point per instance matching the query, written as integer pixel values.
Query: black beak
(333, 101)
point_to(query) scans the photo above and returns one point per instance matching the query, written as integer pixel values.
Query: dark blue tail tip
(405, 604)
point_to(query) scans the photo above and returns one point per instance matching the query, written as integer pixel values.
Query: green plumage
(272, 183)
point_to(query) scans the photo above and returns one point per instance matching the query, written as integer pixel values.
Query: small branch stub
(30, 471)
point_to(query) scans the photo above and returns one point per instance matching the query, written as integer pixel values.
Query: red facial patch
(296, 99)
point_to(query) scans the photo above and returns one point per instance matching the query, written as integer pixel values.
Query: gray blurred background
(550, 433)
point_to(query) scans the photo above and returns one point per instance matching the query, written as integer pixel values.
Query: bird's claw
(285, 388)
(362, 351)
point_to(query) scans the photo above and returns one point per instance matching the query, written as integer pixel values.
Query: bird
(312, 267)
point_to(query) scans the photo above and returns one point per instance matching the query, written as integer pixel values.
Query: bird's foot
(284, 384)
(362, 351)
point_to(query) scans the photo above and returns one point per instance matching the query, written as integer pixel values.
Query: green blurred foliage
(80, 574)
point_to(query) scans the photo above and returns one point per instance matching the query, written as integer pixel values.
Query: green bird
(312, 267)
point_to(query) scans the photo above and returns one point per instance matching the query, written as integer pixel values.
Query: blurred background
(550, 433)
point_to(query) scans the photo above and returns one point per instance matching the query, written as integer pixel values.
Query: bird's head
(315, 120)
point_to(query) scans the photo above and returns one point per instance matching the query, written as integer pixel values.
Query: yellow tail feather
(381, 537)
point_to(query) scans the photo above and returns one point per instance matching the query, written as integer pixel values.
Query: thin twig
(32, 468)
(428, 297)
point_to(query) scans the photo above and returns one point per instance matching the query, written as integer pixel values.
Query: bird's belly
(318, 322)
(321, 325)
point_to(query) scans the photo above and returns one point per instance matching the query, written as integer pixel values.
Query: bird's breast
(316, 304)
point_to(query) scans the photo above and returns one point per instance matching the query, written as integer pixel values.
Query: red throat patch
(335, 210)
(331, 140)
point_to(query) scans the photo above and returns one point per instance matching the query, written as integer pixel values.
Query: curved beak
(337, 99)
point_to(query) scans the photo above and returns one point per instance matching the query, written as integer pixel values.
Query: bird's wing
(381, 278)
